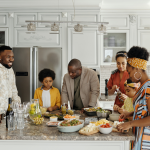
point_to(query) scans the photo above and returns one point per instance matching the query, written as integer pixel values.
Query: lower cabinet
(106, 104)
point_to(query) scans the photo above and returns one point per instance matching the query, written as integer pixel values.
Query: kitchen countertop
(43, 132)
(107, 98)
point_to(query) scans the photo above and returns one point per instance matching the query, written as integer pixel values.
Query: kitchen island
(44, 137)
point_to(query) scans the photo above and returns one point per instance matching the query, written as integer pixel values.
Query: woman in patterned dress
(136, 67)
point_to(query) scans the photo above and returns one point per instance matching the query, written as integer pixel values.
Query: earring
(136, 77)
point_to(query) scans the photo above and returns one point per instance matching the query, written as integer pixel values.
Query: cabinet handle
(24, 26)
(112, 105)
(47, 26)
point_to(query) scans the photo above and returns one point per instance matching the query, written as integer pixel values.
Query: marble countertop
(43, 132)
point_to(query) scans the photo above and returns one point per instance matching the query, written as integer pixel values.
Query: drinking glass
(26, 106)
(20, 117)
(14, 106)
(11, 121)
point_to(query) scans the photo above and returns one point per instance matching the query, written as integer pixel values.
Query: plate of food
(48, 115)
(91, 111)
(52, 123)
(70, 125)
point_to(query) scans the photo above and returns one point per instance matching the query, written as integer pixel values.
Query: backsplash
(105, 72)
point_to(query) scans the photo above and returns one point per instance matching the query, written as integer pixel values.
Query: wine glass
(14, 106)
(26, 109)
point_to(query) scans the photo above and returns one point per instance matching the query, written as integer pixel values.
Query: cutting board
(89, 133)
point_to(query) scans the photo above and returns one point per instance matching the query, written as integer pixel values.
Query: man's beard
(6, 66)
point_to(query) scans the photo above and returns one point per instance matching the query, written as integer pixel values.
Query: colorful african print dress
(142, 134)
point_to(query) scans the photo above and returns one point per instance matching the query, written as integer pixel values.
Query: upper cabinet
(114, 41)
(83, 17)
(3, 36)
(116, 21)
(3, 20)
(48, 17)
(143, 40)
(84, 46)
(41, 37)
(144, 22)
(20, 19)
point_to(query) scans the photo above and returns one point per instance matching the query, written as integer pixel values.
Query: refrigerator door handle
(35, 68)
(31, 87)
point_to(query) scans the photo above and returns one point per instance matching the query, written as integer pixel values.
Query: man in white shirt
(7, 78)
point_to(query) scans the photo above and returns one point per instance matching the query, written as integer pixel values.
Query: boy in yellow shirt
(48, 95)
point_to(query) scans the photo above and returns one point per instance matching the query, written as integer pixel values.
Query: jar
(34, 110)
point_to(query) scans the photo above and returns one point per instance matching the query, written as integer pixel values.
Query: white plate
(50, 125)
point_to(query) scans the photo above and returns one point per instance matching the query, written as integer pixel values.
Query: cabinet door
(144, 22)
(3, 20)
(143, 40)
(3, 36)
(41, 37)
(84, 46)
(48, 17)
(20, 19)
(116, 21)
(114, 41)
(83, 17)
(106, 104)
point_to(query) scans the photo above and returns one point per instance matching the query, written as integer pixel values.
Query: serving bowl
(105, 130)
(70, 128)
(114, 117)
(103, 113)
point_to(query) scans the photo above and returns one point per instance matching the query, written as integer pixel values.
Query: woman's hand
(124, 126)
(114, 87)
(124, 115)
(116, 107)
(123, 96)
(50, 109)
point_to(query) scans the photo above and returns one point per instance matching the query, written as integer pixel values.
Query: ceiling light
(78, 28)
(54, 27)
(102, 29)
(31, 27)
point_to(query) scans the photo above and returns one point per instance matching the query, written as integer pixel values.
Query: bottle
(106, 89)
(63, 109)
(9, 111)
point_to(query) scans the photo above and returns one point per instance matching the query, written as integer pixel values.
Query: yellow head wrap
(137, 63)
(133, 85)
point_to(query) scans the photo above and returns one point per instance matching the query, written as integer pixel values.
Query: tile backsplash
(105, 72)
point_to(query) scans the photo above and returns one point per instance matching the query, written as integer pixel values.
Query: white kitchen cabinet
(20, 19)
(41, 37)
(116, 21)
(48, 17)
(114, 41)
(144, 22)
(106, 104)
(3, 36)
(83, 17)
(3, 19)
(84, 46)
(143, 40)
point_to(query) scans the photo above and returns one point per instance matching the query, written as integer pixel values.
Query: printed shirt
(7, 87)
(128, 105)
(115, 80)
(142, 134)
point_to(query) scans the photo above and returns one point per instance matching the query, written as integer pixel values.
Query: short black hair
(46, 73)
(4, 47)
(121, 54)
(75, 62)
(138, 52)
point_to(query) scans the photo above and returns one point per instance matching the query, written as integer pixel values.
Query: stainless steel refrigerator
(29, 62)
